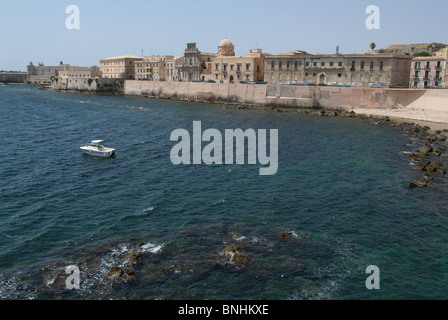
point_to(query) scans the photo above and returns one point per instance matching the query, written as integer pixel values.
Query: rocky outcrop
(236, 256)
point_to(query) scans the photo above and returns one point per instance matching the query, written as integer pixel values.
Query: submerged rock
(284, 235)
(421, 165)
(241, 258)
(115, 272)
(421, 181)
(135, 256)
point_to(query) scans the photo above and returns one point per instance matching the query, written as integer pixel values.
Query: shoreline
(434, 119)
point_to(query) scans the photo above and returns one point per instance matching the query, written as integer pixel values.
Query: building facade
(430, 71)
(121, 67)
(42, 74)
(152, 68)
(358, 70)
(228, 68)
(378, 70)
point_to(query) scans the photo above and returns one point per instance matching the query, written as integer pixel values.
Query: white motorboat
(96, 148)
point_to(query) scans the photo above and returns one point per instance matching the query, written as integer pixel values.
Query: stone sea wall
(12, 77)
(344, 98)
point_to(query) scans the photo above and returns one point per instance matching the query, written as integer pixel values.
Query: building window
(339, 75)
(287, 77)
(307, 64)
(371, 65)
(231, 67)
(438, 64)
(361, 78)
(280, 64)
(295, 76)
(331, 64)
(295, 64)
(381, 65)
(315, 64)
(247, 66)
(272, 76)
(216, 66)
(322, 64)
(362, 64)
(314, 74)
(340, 64)
(280, 76)
(287, 64)
(272, 65)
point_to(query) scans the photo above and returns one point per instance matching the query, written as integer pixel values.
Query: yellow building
(152, 68)
(228, 68)
(122, 67)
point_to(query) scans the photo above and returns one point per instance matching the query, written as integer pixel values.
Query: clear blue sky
(35, 30)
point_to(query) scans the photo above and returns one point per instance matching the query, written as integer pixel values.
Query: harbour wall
(345, 98)
(13, 77)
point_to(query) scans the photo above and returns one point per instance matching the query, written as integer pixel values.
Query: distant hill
(417, 49)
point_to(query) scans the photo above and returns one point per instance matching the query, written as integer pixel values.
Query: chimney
(337, 49)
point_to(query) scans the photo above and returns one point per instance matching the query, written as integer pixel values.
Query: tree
(372, 46)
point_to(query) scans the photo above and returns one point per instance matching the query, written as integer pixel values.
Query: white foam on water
(152, 248)
(149, 209)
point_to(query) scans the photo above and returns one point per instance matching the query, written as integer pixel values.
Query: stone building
(152, 68)
(228, 68)
(42, 74)
(360, 70)
(121, 67)
(285, 67)
(383, 70)
(324, 69)
(430, 71)
(191, 69)
(196, 65)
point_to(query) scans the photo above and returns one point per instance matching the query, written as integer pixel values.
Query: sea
(337, 221)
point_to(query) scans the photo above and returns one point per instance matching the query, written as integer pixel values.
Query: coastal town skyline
(163, 28)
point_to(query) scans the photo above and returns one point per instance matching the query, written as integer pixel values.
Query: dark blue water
(341, 190)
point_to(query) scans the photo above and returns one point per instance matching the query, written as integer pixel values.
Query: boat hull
(98, 153)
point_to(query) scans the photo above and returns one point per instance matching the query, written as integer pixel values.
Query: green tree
(373, 46)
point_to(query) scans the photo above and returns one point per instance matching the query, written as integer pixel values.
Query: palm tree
(372, 46)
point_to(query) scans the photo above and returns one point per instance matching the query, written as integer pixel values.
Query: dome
(225, 43)
(226, 48)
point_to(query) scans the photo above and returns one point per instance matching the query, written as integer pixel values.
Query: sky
(35, 31)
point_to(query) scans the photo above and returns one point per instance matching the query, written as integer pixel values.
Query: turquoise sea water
(341, 189)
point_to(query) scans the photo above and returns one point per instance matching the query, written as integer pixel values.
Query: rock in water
(115, 271)
(135, 257)
(421, 165)
(284, 235)
(424, 150)
(241, 258)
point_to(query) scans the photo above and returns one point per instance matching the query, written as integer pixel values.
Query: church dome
(226, 48)
(225, 43)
